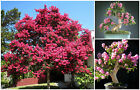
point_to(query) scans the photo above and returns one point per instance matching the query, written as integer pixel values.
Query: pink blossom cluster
(116, 9)
(127, 18)
(114, 53)
(50, 41)
(106, 24)
(114, 5)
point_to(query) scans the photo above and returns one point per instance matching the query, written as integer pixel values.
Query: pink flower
(103, 45)
(136, 57)
(122, 15)
(113, 55)
(88, 71)
(134, 64)
(120, 45)
(98, 68)
(101, 25)
(99, 61)
(105, 21)
(103, 77)
(39, 60)
(96, 60)
(126, 21)
(120, 61)
(114, 4)
(120, 5)
(124, 41)
(109, 12)
(106, 27)
(127, 13)
(108, 20)
(107, 73)
(125, 64)
(132, 17)
(112, 23)
(127, 16)
(115, 50)
(57, 60)
(118, 57)
(96, 78)
(133, 21)
(111, 5)
(102, 71)
(105, 56)
(123, 56)
(129, 56)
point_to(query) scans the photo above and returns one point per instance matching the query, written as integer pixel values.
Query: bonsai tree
(109, 62)
(117, 10)
(48, 42)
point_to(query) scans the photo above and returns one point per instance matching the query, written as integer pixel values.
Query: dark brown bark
(48, 78)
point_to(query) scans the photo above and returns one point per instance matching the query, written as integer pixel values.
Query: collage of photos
(69, 44)
(117, 45)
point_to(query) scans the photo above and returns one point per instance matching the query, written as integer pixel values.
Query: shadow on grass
(39, 87)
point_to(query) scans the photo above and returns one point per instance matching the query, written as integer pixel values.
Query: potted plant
(109, 63)
(116, 10)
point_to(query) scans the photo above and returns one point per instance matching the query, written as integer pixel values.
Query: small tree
(117, 10)
(48, 42)
(109, 62)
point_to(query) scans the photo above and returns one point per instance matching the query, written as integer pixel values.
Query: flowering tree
(48, 42)
(117, 10)
(109, 62)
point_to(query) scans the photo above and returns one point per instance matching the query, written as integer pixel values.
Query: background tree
(8, 30)
(48, 42)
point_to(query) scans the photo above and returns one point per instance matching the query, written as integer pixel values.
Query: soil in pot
(117, 32)
(111, 85)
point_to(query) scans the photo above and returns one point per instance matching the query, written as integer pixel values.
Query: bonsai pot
(117, 34)
(111, 85)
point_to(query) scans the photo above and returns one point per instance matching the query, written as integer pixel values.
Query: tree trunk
(114, 78)
(114, 73)
(118, 26)
(48, 78)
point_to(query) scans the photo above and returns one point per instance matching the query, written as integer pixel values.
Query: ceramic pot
(110, 86)
(117, 36)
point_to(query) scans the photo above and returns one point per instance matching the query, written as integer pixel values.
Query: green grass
(37, 86)
(117, 32)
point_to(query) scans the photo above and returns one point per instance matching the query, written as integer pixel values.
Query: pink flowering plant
(117, 10)
(48, 42)
(109, 62)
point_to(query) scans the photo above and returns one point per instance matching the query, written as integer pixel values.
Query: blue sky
(83, 11)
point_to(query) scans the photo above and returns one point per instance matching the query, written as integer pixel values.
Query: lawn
(37, 86)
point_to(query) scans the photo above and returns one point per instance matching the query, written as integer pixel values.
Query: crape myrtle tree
(114, 58)
(117, 10)
(48, 42)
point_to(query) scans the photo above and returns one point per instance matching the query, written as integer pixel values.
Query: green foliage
(85, 79)
(117, 32)
(5, 82)
(8, 20)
